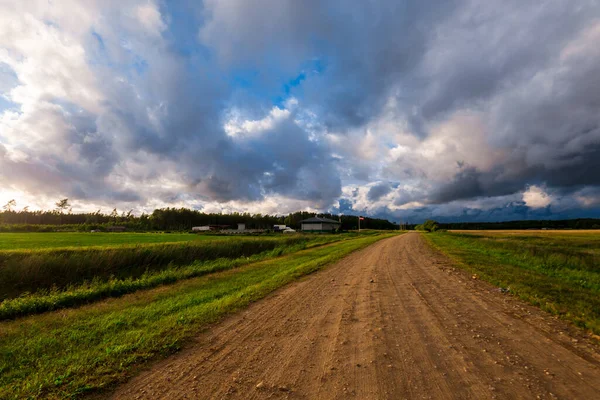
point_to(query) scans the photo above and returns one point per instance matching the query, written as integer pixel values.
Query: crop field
(117, 307)
(558, 271)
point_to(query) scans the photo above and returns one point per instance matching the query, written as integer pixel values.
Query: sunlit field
(556, 270)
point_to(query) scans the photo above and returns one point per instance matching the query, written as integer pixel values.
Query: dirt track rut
(393, 321)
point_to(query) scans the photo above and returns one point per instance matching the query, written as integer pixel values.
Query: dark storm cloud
(572, 173)
(466, 184)
(541, 93)
(281, 161)
(374, 59)
(364, 49)
(378, 191)
(470, 183)
(482, 47)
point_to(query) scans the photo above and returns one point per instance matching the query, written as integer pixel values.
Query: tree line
(62, 217)
(580, 223)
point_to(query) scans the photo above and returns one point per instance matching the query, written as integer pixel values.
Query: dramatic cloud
(459, 110)
(535, 197)
(379, 190)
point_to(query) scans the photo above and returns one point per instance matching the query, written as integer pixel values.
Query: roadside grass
(29, 271)
(560, 273)
(74, 352)
(98, 289)
(50, 240)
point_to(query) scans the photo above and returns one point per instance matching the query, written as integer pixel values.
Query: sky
(457, 110)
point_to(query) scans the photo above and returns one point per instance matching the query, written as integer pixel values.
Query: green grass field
(556, 270)
(33, 281)
(53, 240)
(77, 351)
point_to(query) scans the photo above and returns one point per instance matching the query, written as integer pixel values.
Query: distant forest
(581, 223)
(163, 219)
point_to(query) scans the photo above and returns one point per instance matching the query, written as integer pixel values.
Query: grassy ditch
(559, 273)
(83, 350)
(29, 271)
(43, 301)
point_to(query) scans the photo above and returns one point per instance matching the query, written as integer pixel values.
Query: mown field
(558, 271)
(108, 326)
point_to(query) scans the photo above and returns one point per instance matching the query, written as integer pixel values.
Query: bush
(428, 226)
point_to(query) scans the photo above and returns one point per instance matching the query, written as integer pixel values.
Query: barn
(318, 224)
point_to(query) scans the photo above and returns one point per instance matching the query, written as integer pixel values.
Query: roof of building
(314, 220)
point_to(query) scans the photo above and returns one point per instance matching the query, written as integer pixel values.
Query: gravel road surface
(392, 321)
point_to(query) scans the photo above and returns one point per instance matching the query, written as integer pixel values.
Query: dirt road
(393, 321)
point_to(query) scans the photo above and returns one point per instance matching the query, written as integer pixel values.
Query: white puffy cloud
(238, 127)
(536, 197)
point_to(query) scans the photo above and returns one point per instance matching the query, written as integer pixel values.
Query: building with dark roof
(318, 224)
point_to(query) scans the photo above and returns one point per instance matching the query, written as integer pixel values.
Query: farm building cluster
(241, 228)
(315, 224)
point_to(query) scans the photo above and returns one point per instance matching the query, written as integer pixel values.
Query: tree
(62, 205)
(428, 226)
(114, 215)
(9, 206)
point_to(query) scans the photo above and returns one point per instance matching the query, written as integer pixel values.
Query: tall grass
(88, 292)
(55, 269)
